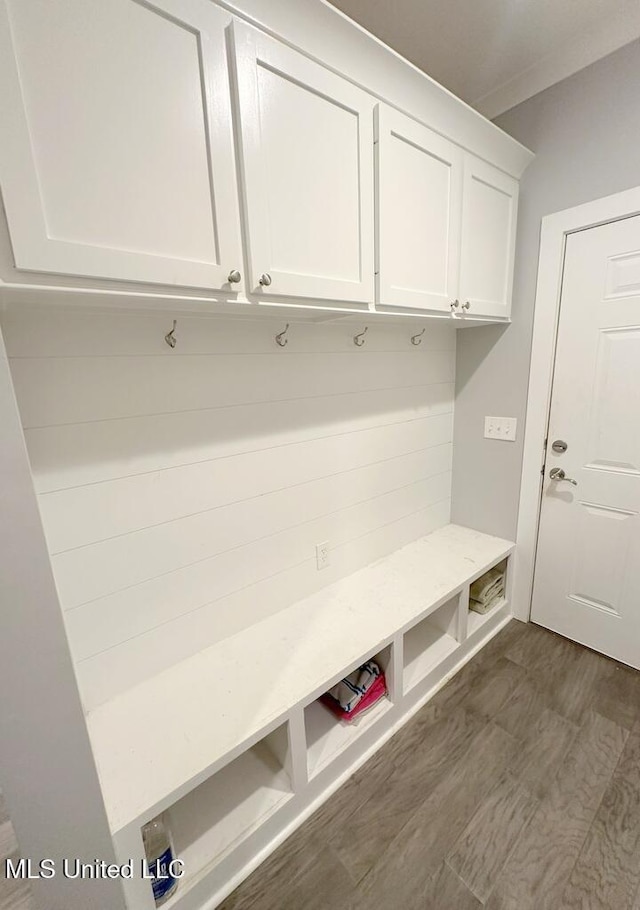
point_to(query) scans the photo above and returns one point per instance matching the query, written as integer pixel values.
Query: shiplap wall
(183, 491)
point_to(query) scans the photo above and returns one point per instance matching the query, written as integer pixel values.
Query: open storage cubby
(476, 620)
(216, 816)
(327, 735)
(430, 642)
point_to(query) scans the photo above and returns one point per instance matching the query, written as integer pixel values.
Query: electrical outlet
(322, 554)
(500, 428)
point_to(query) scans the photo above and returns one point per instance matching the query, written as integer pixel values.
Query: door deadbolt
(559, 445)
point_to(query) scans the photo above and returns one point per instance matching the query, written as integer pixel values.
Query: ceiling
(496, 53)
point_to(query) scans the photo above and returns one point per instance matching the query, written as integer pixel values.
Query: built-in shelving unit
(236, 785)
(476, 621)
(430, 642)
(327, 735)
(218, 815)
(256, 113)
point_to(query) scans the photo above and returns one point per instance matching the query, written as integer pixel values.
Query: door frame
(553, 236)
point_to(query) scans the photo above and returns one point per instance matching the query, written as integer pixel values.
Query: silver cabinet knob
(454, 305)
(265, 280)
(466, 306)
(558, 474)
(234, 276)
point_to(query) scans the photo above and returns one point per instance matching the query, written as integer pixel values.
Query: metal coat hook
(170, 337)
(417, 339)
(280, 337)
(358, 340)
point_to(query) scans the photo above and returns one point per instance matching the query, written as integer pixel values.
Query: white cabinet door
(419, 198)
(307, 174)
(117, 157)
(489, 210)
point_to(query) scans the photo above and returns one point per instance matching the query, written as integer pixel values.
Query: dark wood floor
(516, 788)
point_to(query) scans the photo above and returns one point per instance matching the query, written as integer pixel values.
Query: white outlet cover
(503, 428)
(322, 554)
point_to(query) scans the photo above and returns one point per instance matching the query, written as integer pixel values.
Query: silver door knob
(265, 280)
(454, 305)
(558, 474)
(234, 276)
(466, 306)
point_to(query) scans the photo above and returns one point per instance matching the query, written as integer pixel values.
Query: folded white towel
(485, 587)
(350, 690)
(483, 606)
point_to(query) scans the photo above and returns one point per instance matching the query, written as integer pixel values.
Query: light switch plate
(500, 428)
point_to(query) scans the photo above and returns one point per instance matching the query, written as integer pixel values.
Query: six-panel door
(587, 584)
(489, 209)
(307, 174)
(118, 157)
(419, 199)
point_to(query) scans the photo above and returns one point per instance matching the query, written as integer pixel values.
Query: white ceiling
(496, 53)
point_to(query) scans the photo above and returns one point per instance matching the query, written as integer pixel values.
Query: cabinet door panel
(307, 155)
(119, 161)
(419, 190)
(490, 201)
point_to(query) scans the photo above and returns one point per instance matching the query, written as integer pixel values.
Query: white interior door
(117, 156)
(419, 198)
(587, 583)
(489, 214)
(307, 174)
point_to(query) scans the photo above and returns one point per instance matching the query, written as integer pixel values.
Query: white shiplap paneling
(183, 492)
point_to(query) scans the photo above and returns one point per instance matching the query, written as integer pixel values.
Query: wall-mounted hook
(417, 339)
(170, 337)
(280, 337)
(358, 340)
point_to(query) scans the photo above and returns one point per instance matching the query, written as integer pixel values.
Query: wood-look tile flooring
(516, 788)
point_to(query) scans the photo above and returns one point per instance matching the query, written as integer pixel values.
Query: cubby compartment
(430, 642)
(327, 736)
(216, 816)
(476, 620)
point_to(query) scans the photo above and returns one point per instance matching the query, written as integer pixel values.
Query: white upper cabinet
(419, 203)
(489, 210)
(170, 144)
(117, 157)
(307, 174)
